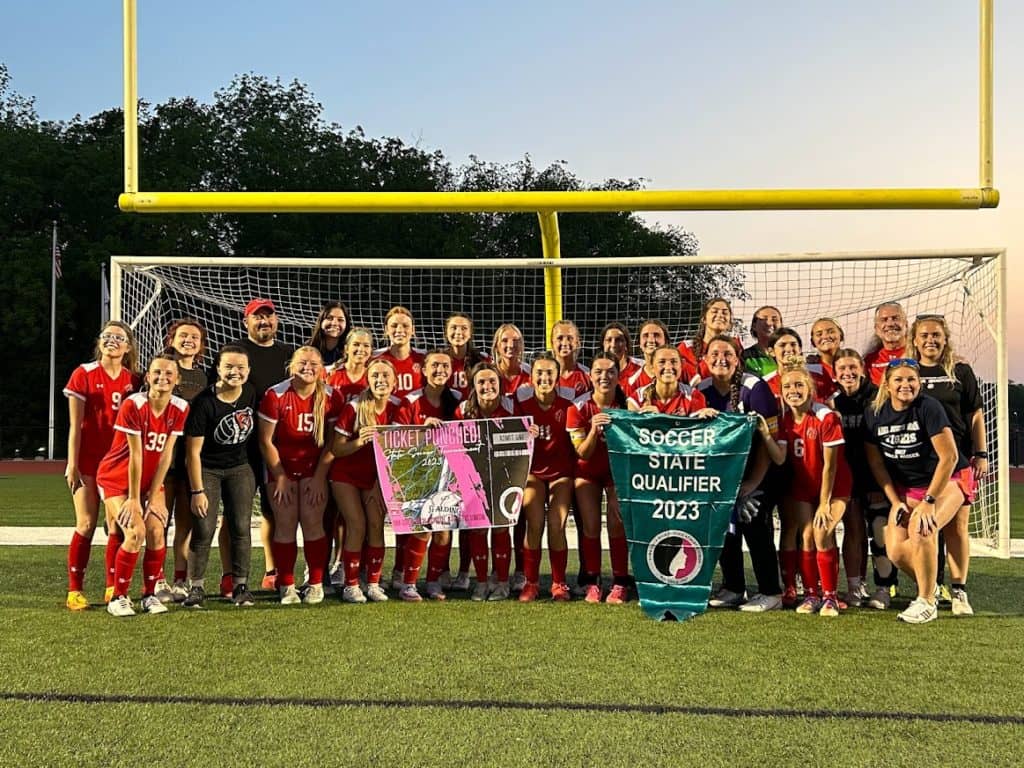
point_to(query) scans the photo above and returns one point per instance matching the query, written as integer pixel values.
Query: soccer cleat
(760, 603)
(811, 604)
(196, 596)
(120, 606)
(290, 595)
(269, 582)
(829, 607)
(445, 579)
(943, 597)
(397, 582)
(163, 591)
(920, 611)
(619, 595)
(560, 593)
(498, 592)
(880, 600)
(480, 592)
(434, 590)
(353, 594)
(789, 598)
(179, 591)
(337, 577)
(529, 592)
(77, 601)
(108, 594)
(593, 594)
(242, 597)
(314, 594)
(961, 605)
(859, 596)
(226, 585)
(375, 594)
(409, 594)
(461, 582)
(151, 604)
(518, 582)
(725, 598)
(579, 590)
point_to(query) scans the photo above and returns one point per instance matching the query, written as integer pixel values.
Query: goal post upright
(551, 248)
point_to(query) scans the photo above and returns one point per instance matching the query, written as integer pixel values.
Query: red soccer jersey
(460, 375)
(876, 362)
(503, 409)
(553, 454)
(408, 372)
(577, 420)
(805, 445)
(292, 417)
(572, 384)
(360, 468)
(511, 384)
(416, 409)
(685, 401)
(632, 366)
(636, 381)
(824, 387)
(102, 396)
(136, 418)
(344, 386)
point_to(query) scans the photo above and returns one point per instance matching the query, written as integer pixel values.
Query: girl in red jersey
(354, 480)
(429, 406)
(785, 344)
(95, 393)
(349, 378)
(507, 353)
(330, 332)
(667, 393)
(565, 344)
(130, 480)
(586, 421)
(458, 332)
(296, 421)
(407, 361)
(550, 480)
(615, 340)
(715, 318)
(811, 439)
(827, 337)
(485, 401)
(653, 335)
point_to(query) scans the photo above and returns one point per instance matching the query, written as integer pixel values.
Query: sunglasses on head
(930, 317)
(904, 361)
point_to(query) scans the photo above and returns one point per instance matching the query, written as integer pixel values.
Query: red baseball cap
(256, 305)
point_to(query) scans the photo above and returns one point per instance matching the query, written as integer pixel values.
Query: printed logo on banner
(675, 557)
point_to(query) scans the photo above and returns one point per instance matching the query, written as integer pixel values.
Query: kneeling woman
(916, 462)
(130, 480)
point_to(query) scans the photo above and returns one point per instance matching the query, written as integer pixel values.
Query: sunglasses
(904, 361)
(930, 317)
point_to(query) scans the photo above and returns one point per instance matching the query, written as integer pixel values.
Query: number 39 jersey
(136, 418)
(102, 397)
(292, 417)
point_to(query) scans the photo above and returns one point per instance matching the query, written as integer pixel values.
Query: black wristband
(981, 454)
(196, 493)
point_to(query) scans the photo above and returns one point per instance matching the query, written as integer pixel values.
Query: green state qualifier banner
(676, 478)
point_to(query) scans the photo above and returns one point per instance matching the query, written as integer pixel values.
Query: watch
(928, 498)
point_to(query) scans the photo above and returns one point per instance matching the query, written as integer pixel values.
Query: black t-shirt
(959, 396)
(851, 410)
(191, 381)
(266, 364)
(904, 439)
(227, 428)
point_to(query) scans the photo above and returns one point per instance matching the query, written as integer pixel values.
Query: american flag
(56, 261)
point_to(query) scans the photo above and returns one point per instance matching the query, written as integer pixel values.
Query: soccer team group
(888, 443)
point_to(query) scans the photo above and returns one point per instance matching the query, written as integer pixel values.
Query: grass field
(488, 684)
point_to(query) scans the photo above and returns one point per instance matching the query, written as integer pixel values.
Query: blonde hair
(398, 309)
(795, 365)
(882, 396)
(566, 324)
(497, 337)
(947, 360)
(366, 412)
(319, 392)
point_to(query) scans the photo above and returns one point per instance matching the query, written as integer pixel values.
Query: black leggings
(759, 534)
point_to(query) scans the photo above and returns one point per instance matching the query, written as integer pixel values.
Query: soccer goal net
(965, 286)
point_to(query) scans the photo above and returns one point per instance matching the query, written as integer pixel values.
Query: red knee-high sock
(466, 553)
(415, 549)
(180, 575)
(78, 559)
(285, 554)
(478, 545)
(558, 560)
(400, 551)
(531, 564)
(152, 567)
(374, 563)
(809, 571)
(789, 562)
(124, 565)
(618, 549)
(437, 560)
(501, 552)
(352, 561)
(590, 549)
(114, 541)
(828, 570)
(315, 551)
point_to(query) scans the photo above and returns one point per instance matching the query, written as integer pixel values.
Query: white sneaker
(397, 582)
(163, 591)
(961, 605)
(760, 603)
(517, 582)
(920, 611)
(290, 596)
(461, 582)
(880, 600)
(857, 596)
(151, 604)
(179, 592)
(353, 594)
(434, 590)
(410, 594)
(725, 598)
(120, 606)
(480, 592)
(314, 594)
(499, 592)
(375, 594)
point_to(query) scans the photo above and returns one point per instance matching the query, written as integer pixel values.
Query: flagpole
(53, 340)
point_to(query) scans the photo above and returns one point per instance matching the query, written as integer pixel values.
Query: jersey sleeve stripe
(126, 430)
(72, 393)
